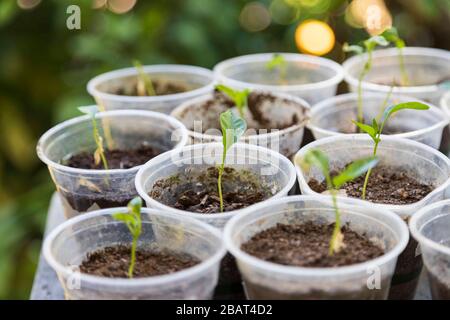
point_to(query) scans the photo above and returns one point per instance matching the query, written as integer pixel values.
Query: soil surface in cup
(306, 245)
(439, 290)
(161, 87)
(260, 114)
(196, 190)
(386, 185)
(116, 158)
(113, 262)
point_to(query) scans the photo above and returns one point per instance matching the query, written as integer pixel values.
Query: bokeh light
(314, 37)
(254, 17)
(283, 13)
(28, 4)
(121, 6)
(372, 15)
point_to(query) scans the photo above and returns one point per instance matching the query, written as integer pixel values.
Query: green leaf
(354, 170)
(366, 128)
(372, 42)
(405, 105)
(391, 35)
(277, 61)
(233, 127)
(317, 158)
(239, 97)
(90, 110)
(135, 205)
(352, 48)
(123, 217)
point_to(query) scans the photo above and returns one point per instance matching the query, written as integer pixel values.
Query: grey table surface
(46, 285)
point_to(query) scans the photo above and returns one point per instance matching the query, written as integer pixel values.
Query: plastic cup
(286, 141)
(201, 81)
(309, 77)
(84, 190)
(423, 163)
(333, 116)
(267, 280)
(68, 244)
(430, 226)
(425, 67)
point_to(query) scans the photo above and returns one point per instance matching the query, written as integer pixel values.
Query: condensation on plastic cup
(84, 190)
(319, 76)
(431, 65)
(267, 280)
(430, 226)
(275, 169)
(286, 141)
(69, 243)
(333, 114)
(200, 78)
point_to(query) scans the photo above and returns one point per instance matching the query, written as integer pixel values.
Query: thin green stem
(133, 258)
(366, 179)
(337, 224)
(99, 143)
(405, 80)
(219, 187)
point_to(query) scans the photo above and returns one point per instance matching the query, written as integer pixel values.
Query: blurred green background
(44, 68)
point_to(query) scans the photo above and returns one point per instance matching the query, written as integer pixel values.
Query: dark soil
(196, 191)
(161, 88)
(113, 262)
(117, 158)
(386, 185)
(439, 290)
(306, 245)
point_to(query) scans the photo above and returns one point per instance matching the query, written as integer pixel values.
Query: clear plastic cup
(424, 163)
(201, 81)
(286, 141)
(430, 226)
(445, 104)
(334, 116)
(274, 169)
(84, 190)
(267, 280)
(68, 244)
(309, 77)
(425, 67)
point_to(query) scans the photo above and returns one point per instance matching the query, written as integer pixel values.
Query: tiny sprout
(99, 154)
(367, 46)
(233, 127)
(144, 85)
(316, 158)
(239, 97)
(375, 130)
(278, 62)
(392, 36)
(132, 220)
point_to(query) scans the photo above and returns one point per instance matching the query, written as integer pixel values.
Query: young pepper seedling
(317, 158)
(239, 97)
(391, 35)
(99, 153)
(375, 130)
(278, 62)
(132, 220)
(367, 46)
(144, 84)
(233, 127)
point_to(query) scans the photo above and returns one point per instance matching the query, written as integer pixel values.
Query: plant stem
(99, 143)
(133, 258)
(219, 186)
(375, 148)
(405, 80)
(337, 224)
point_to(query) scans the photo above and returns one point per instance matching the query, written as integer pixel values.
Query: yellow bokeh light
(314, 37)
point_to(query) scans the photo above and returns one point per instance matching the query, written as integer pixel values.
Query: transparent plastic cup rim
(165, 157)
(363, 137)
(290, 57)
(407, 51)
(417, 234)
(198, 135)
(146, 281)
(353, 96)
(445, 104)
(116, 113)
(317, 272)
(161, 68)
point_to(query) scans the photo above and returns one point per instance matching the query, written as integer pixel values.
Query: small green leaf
(239, 97)
(366, 128)
(135, 205)
(391, 35)
(317, 158)
(233, 127)
(372, 42)
(354, 170)
(277, 61)
(352, 48)
(405, 105)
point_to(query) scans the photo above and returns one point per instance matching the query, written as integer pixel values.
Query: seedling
(375, 130)
(316, 158)
(99, 153)
(367, 46)
(239, 97)
(233, 127)
(278, 62)
(144, 84)
(132, 219)
(392, 36)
